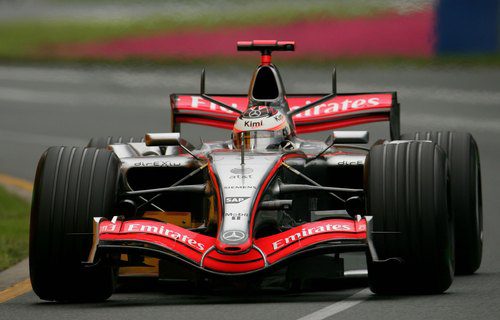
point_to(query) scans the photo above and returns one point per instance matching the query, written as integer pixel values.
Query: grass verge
(14, 229)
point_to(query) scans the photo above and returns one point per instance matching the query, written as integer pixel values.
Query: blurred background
(188, 31)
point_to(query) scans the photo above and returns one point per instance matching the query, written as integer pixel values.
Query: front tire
(72, 186)
(103, 142)
(465, 194)
(407, 197)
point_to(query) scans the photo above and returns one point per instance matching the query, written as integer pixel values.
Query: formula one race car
(263, 201)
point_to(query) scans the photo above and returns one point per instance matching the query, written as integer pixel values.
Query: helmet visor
(254, 140)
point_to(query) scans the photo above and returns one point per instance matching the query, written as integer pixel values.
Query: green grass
(35, 39)
(14, 229)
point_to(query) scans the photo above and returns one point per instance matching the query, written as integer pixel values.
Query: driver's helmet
(260, 127)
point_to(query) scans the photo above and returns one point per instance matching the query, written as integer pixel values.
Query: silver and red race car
(262, 202)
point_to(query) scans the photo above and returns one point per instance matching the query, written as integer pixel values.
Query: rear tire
(72, 186)
(103, 142)
(465, 194)
(407, 195)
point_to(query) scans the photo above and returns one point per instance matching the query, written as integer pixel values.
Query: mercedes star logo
(254, 113)
(233, 235)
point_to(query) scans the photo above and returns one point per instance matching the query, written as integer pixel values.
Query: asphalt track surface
(40, 107)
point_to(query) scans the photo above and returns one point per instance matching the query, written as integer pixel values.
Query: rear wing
(343, 110)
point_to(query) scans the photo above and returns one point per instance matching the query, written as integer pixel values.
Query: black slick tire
(465, 194)
(407, 195)
(72, 186)
(103, 142)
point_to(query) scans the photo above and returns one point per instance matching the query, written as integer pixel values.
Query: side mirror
(168, 139)
(339, 137)
(163, 139)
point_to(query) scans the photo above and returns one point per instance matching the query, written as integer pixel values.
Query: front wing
(164, 240)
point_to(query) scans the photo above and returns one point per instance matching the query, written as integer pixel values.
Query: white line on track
(339, 306)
